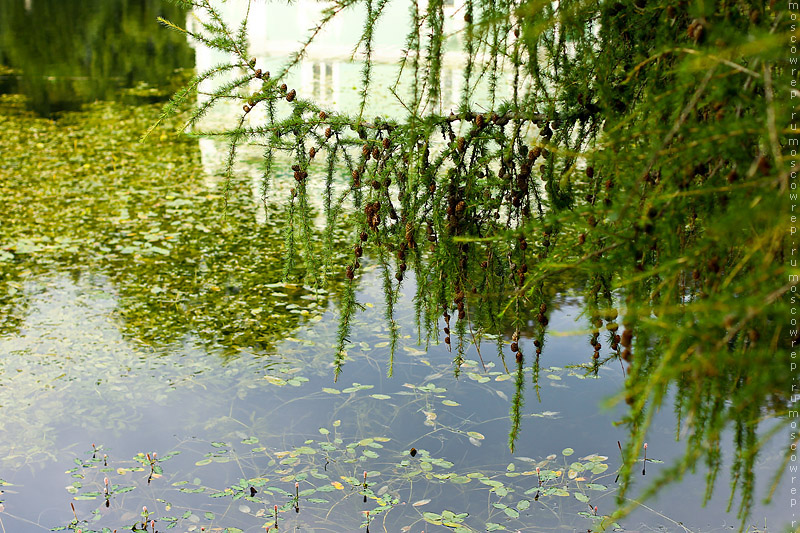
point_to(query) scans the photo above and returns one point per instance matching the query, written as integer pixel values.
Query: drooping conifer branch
(630, 147)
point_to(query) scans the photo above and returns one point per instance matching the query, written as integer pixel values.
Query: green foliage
(640, 151)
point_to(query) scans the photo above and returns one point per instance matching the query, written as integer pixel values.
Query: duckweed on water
(85, 195)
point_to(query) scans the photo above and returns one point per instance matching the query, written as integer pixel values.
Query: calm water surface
(139, 316)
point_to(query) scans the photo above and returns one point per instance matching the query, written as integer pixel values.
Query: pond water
(66, 53)
(147, 339)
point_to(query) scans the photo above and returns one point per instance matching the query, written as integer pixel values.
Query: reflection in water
(68, 340)
(180, 261)
(242, 423)
(66, 52)
(323, 82)
(134, 236)
(153, 346)
(138, 313)
(330, 70)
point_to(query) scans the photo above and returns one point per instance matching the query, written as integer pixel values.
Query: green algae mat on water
(82, 193)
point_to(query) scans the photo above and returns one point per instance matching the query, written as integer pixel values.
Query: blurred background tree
(86, 50)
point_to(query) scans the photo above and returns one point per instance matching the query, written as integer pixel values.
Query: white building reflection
(330, 71)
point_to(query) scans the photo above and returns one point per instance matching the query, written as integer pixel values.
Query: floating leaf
(567, 452)
(578, 467)
(599, 468)
(305, 450)
(581, 497)
(358, 387)
(450, 403)
(420, 503)
(413, 351)
(595, 458)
